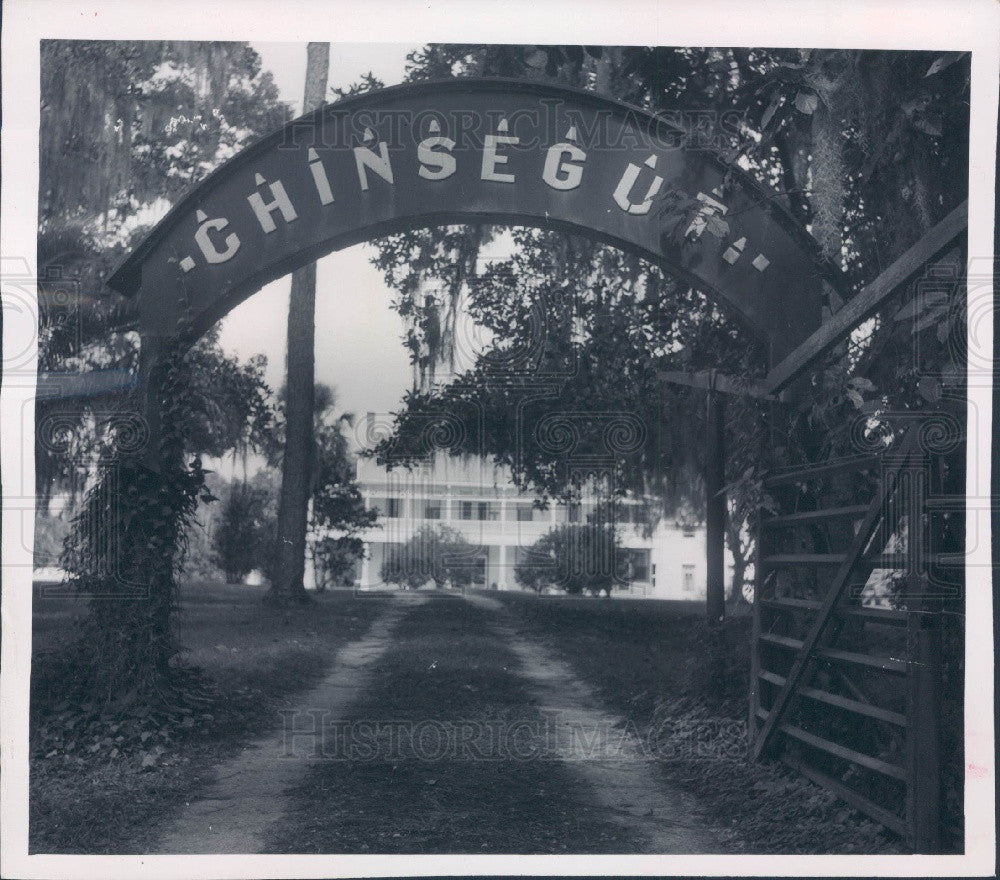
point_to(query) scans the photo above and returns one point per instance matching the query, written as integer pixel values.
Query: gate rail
(845, 684)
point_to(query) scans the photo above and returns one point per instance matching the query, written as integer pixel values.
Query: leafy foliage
(577, 557)
(231, 405)
(126, 127)
(336, 560)
(439, 554)
(866, 149)
(337, 510)
(122, 552)
(337, 504)
(240, 532)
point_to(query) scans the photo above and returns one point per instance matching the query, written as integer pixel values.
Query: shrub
(579, 557)
(240, 531)
(439, 554)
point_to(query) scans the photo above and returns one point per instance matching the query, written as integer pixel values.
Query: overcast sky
(358, 347)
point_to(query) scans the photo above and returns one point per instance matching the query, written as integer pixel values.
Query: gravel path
(598, 746)
(248, 795)
(269, 797)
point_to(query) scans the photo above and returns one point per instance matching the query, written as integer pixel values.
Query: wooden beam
(803, 473)
(886, 664)
(844, 753)
(859, 802)
(98, 383)
(841, 702)
(869, 299)
(706, 381)
(855, 511)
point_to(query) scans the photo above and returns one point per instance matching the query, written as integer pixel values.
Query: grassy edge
(755, 808)
(94, 800)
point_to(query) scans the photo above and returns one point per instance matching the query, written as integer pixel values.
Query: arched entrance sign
(477, 151)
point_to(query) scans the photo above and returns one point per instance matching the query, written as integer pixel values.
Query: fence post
(758, 584)
(759, 552)
(923, 759)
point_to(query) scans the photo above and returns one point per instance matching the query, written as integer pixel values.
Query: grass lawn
(104, 784)
(441, 762)
(647, 660)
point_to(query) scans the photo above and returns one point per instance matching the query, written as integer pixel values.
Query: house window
(486, 510)
(574, 513)
(639, 564)
(432, 510)
(525, 512)
(466, 510)
(688, 573)
(394, 508)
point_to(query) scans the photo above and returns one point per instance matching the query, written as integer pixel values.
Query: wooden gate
(855, 591)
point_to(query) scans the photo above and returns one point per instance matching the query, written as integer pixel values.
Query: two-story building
(480, 501)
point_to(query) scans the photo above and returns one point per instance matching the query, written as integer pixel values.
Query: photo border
(972, 25)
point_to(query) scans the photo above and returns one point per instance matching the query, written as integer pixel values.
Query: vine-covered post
(122, 549)
(157, 461)
(152, 354)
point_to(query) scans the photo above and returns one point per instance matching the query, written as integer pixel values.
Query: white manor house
(480, 501)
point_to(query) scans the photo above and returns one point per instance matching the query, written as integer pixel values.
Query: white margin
(876, 24)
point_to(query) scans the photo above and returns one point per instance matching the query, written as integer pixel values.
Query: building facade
(480, 501)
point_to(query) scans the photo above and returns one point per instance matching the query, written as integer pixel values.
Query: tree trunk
(715, 504)
(715, 541)
(296, 470)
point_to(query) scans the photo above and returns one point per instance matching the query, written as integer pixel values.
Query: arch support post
(152, 360)
(161, 461)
